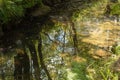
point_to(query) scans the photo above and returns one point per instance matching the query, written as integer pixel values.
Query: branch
(48, 36)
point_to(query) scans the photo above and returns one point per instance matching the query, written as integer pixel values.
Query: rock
(101, 53)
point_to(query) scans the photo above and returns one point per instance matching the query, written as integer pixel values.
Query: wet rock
(101, 54)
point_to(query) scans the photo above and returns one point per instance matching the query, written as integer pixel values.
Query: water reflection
(103, 33)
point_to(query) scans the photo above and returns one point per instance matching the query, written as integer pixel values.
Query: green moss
(117, 50)
(115, 9)
(80, 69)
(90, 10)
(11, 9)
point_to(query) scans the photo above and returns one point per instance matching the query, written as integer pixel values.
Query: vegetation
(80, 69)
(59, 40)
(115, 9)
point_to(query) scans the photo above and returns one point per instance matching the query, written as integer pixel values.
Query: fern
(15, 8)
(115, 9)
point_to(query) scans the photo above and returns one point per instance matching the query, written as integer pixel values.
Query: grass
(80, 69)
(94, 69)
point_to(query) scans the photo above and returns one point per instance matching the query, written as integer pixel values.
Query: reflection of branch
(48, 36)
(42, 59)
(54, 41)
(64, 36)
